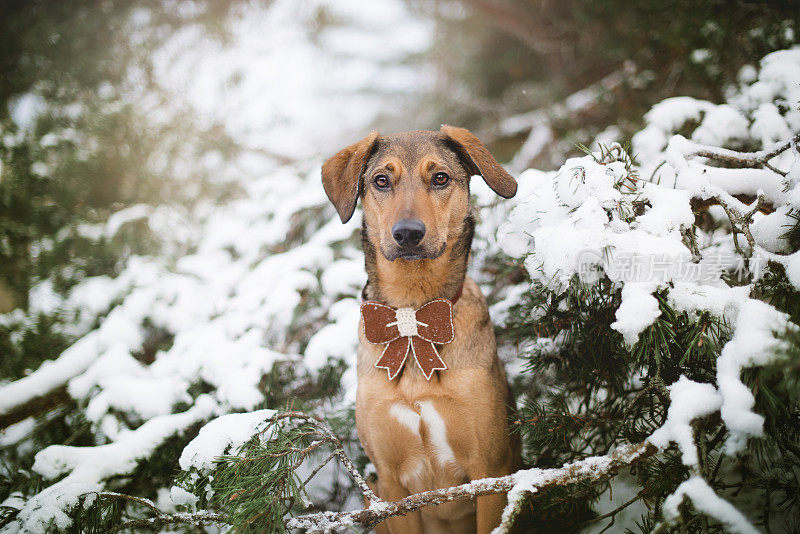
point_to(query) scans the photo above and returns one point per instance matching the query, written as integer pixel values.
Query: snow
(278, 101)
(769, 127)
(579, 224)
(792, 265)
(582, 223)
(87, 467)
(753, 343)
(223, 435)
(337, 340)
(688, 400)
(706, 181)
(720, 301)
(233, 280)
(16, 436)
(344, 277)
(25, 108)
(124, 216)
(768, 229)
(707, 502)
(52, 373)
(638, 310)
(721, 125)
(662, 121)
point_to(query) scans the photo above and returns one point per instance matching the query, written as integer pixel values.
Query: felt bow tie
(405, 328)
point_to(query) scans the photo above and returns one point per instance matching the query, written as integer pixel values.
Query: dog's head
(414, 187)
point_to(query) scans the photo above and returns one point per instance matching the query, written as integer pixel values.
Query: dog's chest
(425, 447)
(424, 423)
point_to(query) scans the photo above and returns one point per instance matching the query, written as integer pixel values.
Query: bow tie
(405, 328)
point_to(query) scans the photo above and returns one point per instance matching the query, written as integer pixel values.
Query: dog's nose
(408, 232)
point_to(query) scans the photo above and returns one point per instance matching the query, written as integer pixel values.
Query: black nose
(408, 232)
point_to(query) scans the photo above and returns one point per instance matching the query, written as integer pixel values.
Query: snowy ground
(268, 268)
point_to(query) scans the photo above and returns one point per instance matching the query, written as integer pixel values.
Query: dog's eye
(440, 179)
(381, 181)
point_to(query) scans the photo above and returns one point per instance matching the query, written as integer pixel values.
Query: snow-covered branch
(522, 482)
(163, 520)
(760, 157)
(86, 468)
(203, 517)
(33, 406)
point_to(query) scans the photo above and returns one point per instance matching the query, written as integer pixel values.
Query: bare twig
(760, 157)
(317, 469)
(613, 513)
(741, 220)
(140, 500)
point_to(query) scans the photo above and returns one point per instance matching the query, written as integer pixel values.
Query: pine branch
(327, 432)
(612, 514)
(157, 522)
(162, 520)
(525, 482)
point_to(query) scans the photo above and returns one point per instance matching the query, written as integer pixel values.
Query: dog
(445, 420)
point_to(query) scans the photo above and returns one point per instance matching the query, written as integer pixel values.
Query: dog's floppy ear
(480, 161)
(341, 175)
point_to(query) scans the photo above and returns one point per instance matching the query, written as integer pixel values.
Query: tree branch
(196, 518)
(34, 406)
(760, 157)
(747, 159)
(327, 432)
(161, 519)
(523, 482)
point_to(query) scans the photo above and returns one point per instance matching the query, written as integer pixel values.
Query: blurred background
(108, 104)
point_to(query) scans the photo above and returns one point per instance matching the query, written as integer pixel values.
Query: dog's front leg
(391, 490)
(490, 512)
(490, 507)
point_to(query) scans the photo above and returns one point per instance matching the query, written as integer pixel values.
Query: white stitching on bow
(406, 322)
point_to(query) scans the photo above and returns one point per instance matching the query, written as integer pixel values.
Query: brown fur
(472, 397)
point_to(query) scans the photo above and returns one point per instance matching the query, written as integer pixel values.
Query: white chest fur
(436, 430)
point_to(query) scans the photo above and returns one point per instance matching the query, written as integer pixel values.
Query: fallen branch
(523, 482)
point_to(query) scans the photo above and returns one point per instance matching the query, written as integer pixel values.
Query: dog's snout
(408, 232)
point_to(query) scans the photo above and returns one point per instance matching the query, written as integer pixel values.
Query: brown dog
(417, 229)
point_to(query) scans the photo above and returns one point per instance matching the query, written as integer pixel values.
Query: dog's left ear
(480, 161)
(341, 175)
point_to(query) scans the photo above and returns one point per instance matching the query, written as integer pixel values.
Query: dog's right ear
(341, 175)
